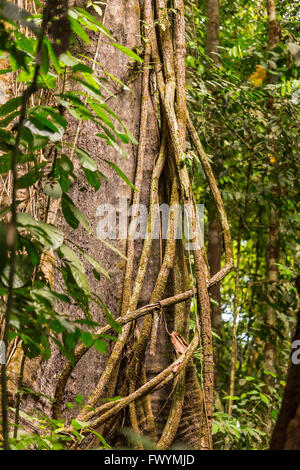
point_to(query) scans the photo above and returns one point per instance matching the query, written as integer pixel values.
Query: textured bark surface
(274, 229)
(214, 254)
(286, 434)
(123, 20)
(156, 379)
(213, 26)
(214, 236)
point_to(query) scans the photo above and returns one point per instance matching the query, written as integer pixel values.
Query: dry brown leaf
(179, 343)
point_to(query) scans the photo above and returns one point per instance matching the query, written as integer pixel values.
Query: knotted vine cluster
(164, 54)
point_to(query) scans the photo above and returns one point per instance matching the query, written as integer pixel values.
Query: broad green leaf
(100, 346)
(264, 399)
(68, 254)
(23, 272)
(49, 236)
(67, 59)
(128, 52)
(4, 122)
(86, 338)
(96, 265)
(53, 189)
(78, 29)
(80, 279)
(93, 178)
(52, 56)
(94, 20)
(85, 159)
(73, 215)
(10, 106)
(121, 174)
(28, 179)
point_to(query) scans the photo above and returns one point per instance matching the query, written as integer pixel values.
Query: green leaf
(67, 59)
(264, 399)
(67, 207)
(79, 424)
(93, 178)
(52, 56)
(28, 179)
(215, 428)
(47, 81)
(44, 68)
(100, 346)
(69, 354)
(32, 252)
(4, 71)
(121, 174)
(111, 140)
(80, 279)
(53, 189)
(23, 272)
(101, 438)
(79, 399)
(128, 52)
(73, 215)
(48, 235)
(4, 122)
(78, 29)
(42, 123)
(86, 338)
(10, 106)
(94, 21)
(89, 88)
(114, 324)
(85, 160)
(67, 253)
(5, 163)
(96, 265)
(101, 114)
(82, 68)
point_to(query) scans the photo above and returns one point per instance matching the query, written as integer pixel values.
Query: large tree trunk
(91, 376)
(286, 434)
(214, 237)
(162, 397)
(273, 235)
(122, 18)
